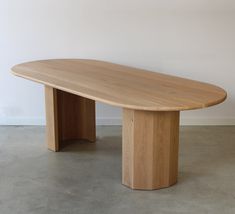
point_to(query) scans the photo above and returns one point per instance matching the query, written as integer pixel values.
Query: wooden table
(151, 105)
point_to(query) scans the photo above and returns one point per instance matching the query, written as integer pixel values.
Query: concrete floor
(86, 178)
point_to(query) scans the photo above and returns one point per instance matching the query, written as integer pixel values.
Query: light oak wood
(121, 85)
(150, 149)
(151, 106)
(52, 135)
(69, 117)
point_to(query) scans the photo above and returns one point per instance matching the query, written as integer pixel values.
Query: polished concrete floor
(86, 177)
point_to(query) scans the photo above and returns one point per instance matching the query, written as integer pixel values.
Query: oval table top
(122, 86)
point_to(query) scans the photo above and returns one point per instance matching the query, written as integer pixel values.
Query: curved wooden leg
(68, 117)
(150, 149)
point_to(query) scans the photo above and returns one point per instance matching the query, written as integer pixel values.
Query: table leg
(68, 117)
(150, 149)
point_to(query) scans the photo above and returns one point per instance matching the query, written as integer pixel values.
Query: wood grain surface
(150, 142)
(122, 86)
(68, 117)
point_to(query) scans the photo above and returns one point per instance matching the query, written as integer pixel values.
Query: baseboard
(183, 121)
(22, 121)
(207, 121)
(114, 121)
(118, 121)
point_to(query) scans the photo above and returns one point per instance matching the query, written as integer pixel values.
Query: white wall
(189, 38)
